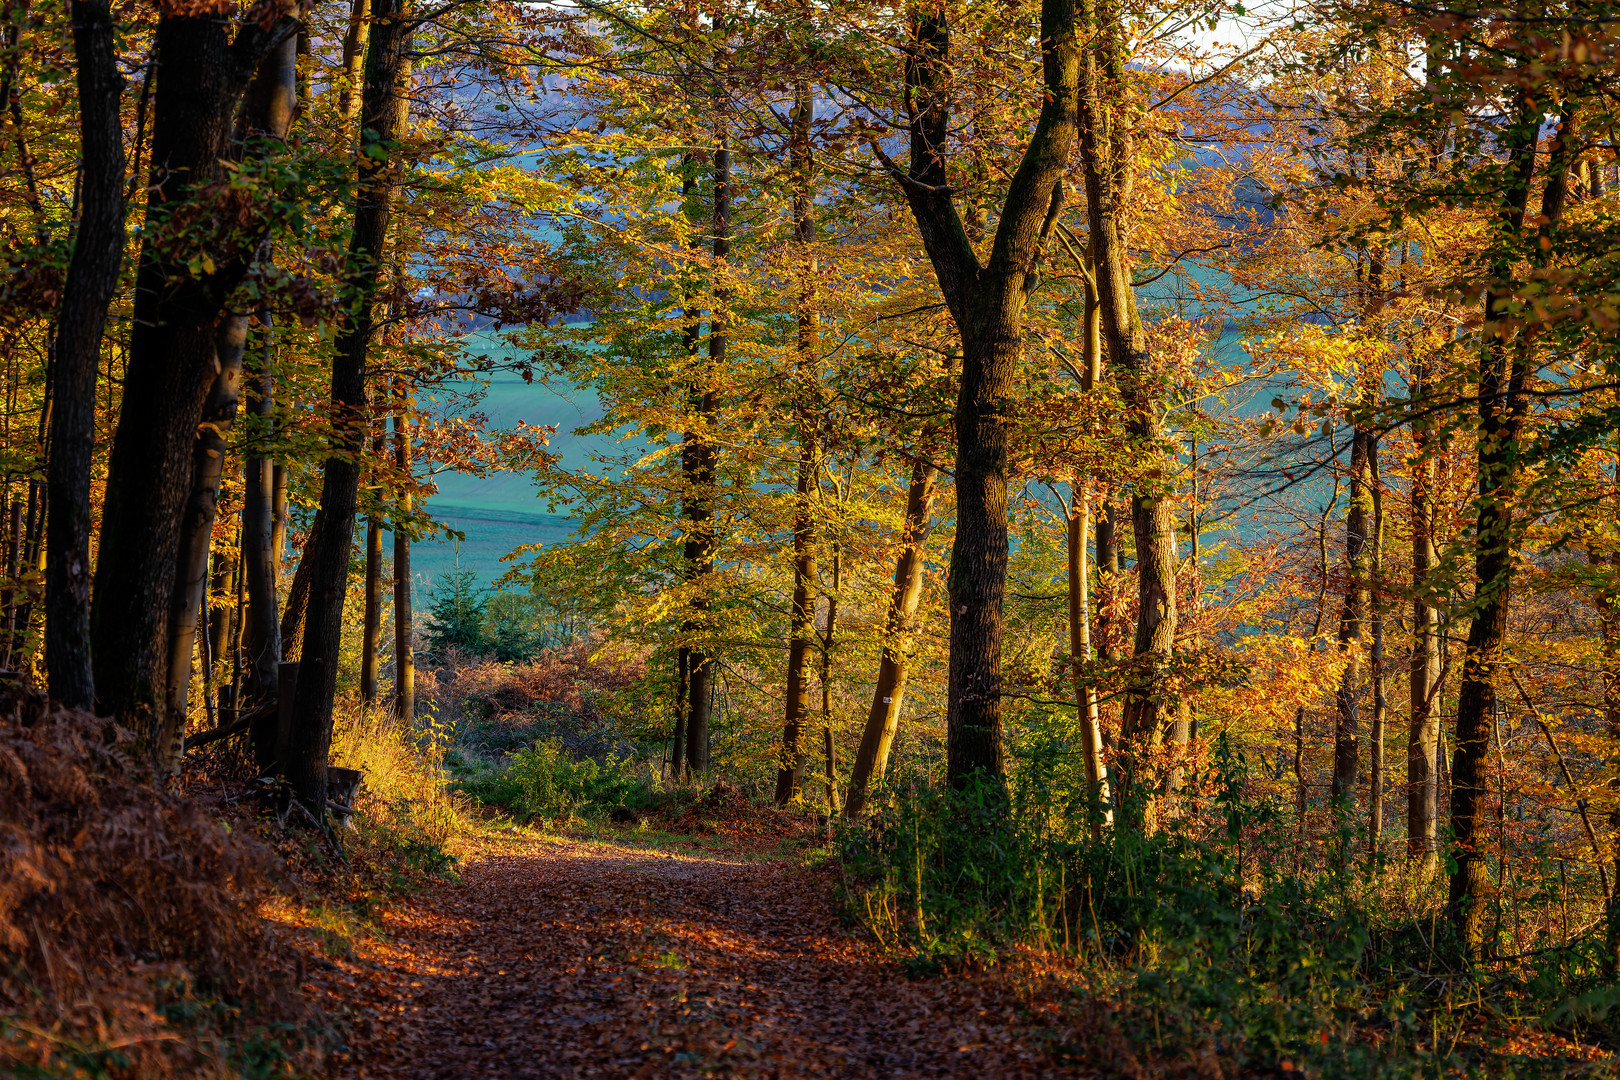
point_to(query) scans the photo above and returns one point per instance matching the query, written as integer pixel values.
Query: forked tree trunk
(384, 111)
(987, 303)
(1148, 713)
(189, 598)
(92, 278)
(170, 370)
(872, 758)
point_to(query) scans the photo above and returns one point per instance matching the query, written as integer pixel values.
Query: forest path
(567, 958)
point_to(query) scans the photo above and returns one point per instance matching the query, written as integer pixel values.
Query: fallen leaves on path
(564, 958)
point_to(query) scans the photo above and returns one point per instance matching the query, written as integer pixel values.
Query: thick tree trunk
(404, 616)
(355, 39)
(296, 615)
(987, 303)
(384, 111)
(98, 251)
(1423, 732)
(884, 717)
(170, 370)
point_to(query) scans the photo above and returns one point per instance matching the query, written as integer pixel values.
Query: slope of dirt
(559, 958)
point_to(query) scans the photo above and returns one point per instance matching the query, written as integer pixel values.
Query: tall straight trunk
(987, 303)
(828, 640)
(1106, 153)
(1607, 602)
(295, 617)
(1079, 529)
(262, 633)
(1380, 717)
(170, 370)
(677, 748)
(1347, 699)
(1505, 365)
(1423, 730)
(98, 251)
(698, 467)
(278, 521)
(189, 598)
(371, 631)
(884, 717)
(802, 616)
(384, 111)
(404, 616)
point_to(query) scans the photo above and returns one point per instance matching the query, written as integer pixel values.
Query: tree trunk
(1423, 732)
(404, 616)
(828, 639)
(295, 617)
(170, 369)
(1106, 153)
(1380, 717)
(92, 278)
(355, 40)
(677, 749)
(1505, 365)
(189, 597)
(1079, 529)
(371, 632)
(263, 632)
(802, 616)
(1347, 700)
(987, 303)
(884, 718)
(384, 111)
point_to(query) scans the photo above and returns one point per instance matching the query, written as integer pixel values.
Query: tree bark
(1106, 152)
(384, 111)
(987, 304)
(1347, 699)
(1423, 732)
(263, 631)
(677, 749)
(355, 40)
(295, 616)
(872, 758)
(802, 616)
(371, 632)
(92, 278)
(1505, 364)
(170, 369)
(404, 616)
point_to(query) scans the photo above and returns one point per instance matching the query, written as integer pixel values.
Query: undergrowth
(1211, 940)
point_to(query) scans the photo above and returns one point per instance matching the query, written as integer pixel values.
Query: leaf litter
(555, 957)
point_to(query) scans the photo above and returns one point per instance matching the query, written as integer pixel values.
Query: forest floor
(641, 955)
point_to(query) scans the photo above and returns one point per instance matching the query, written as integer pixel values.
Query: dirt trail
(572, 959)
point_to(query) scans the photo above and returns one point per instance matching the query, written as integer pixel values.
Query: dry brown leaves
(566, 958)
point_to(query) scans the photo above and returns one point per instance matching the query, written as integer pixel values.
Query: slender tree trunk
(1079, 529)
(371, 632)
(1347, 700)
(384, 111)
(92, 278)
(828, 639)
(790, 770)
(278, 521)
(987, 303)
(1423, 732)
(677, 749)
(170, 371)
(263, 631)
(404, 616)
(1505, 364)
(1380, 717)
(884, 717)
(355, 40)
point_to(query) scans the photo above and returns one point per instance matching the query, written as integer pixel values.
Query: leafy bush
(545, 780)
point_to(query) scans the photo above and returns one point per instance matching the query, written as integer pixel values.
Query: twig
(1580, 803)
